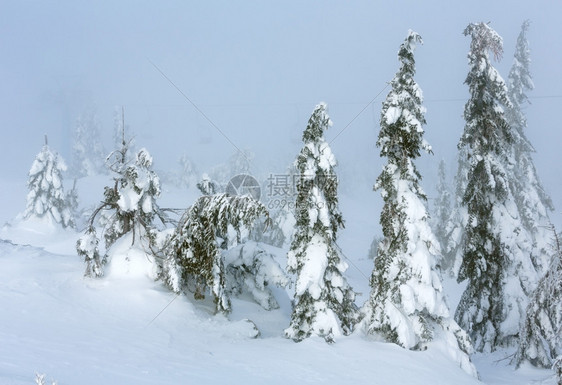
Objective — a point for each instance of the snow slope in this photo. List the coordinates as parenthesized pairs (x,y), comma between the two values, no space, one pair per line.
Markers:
(103,331)
(131,330)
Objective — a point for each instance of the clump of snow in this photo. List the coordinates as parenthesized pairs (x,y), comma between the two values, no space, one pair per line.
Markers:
(253,268)
(131,260)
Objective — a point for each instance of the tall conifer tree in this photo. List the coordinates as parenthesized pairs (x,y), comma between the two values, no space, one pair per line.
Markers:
(494,245)
(532,201)
(324,301)
(406,305)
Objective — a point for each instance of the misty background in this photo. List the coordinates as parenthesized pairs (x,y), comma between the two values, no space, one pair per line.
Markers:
(257,69)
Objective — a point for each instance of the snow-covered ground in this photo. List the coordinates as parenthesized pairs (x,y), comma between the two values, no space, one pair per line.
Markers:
(129,329)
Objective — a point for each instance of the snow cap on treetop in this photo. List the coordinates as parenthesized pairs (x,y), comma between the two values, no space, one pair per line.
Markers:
(484,39)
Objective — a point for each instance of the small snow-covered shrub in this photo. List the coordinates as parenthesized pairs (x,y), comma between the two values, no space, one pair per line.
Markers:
(87,248)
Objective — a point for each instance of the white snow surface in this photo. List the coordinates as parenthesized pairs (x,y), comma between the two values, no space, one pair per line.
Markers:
(129,329)
(128,261)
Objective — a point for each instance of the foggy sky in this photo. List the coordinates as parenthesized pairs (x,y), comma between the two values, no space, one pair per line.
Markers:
(257,69)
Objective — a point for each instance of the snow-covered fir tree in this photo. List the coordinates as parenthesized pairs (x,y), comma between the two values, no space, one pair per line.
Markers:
(374,248)
(208,186)
(441,213)
(40,380)
(324,301)
(241,162)
(129,206)
(46,197)
(87,247)
(122,131)
(540,337)
(73,204)
(194,255)
(494,246)
(185,176)
(532,201)
(87,151)
(188,173)
(557,367)
(134,199)
(457,221)
(406,304)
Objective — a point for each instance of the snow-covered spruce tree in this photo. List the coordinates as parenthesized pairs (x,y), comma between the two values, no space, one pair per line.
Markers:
(194,259)
(458,218)
(87,248)
(207,186)
(134,200)
(46,197)
(88,152)
(374,248)
(496,260)
(122,131)
(442,211)
(540,337)
(40,380)
(324,301)
(557,367)
(188,173)
(72,203)
(407,305)
(129,206)
(532,201)
(241,162)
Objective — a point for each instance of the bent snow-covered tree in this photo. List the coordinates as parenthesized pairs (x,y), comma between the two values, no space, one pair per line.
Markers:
(496,258)
(194,256)
(532,201)
(540,337)
(129,206)
(407,305)
(324,301)
(46,197)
